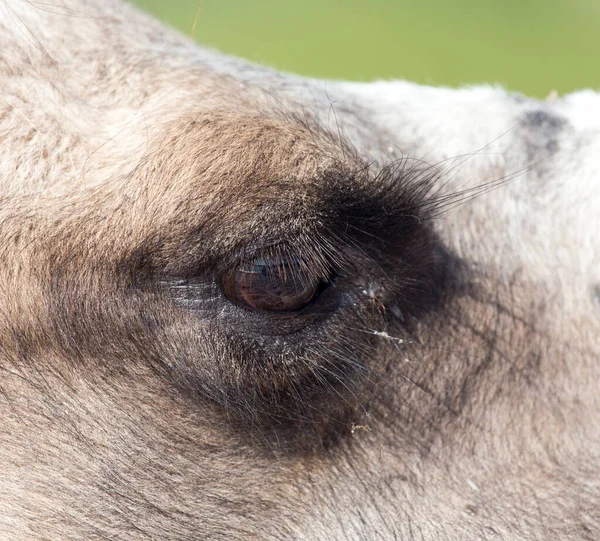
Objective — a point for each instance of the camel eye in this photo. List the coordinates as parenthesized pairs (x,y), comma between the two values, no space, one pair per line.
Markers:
(272,284)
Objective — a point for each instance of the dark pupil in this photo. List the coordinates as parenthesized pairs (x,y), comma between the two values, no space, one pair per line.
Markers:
(272,284)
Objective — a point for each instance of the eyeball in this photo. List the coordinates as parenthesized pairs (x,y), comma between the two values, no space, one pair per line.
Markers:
(272,284)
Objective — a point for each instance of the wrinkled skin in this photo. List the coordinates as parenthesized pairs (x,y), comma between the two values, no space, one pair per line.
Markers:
(442,383)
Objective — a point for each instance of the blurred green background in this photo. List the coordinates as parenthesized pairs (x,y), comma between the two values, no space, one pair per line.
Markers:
(532,46)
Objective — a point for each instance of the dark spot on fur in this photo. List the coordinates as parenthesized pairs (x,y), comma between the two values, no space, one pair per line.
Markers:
(471,510)
(541,132)
(596,295)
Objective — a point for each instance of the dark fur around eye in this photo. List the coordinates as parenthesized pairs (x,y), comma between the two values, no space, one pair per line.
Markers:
(272,324)
(269,310)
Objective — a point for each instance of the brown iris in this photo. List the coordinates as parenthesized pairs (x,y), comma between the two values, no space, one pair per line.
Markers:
(273,284)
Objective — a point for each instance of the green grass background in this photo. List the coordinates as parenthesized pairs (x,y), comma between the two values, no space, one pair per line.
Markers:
(532,46)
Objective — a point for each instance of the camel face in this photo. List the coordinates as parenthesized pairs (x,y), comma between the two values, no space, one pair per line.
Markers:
(239,304)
